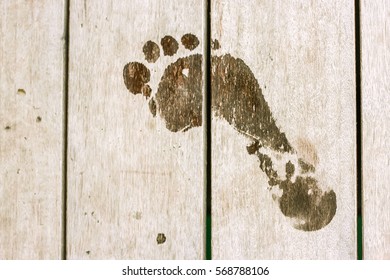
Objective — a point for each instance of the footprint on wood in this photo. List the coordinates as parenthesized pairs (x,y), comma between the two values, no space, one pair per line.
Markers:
(238,99)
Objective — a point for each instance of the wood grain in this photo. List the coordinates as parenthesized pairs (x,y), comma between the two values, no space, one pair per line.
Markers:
(31,130)
(375,86)
(135,187)
(299,56)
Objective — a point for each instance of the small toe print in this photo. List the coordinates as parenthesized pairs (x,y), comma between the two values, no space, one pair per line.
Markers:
(151,51)
(135,76)
(190,41)
(169,45)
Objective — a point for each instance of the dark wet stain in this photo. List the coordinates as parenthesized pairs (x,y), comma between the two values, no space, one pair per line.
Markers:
(169,45)
(253,148)
(190,41)
(146,91)
(151,51)
(266,166)
(7,127)
(215,44)
(238,99)
(152,107)
(306,167)
(21,91)
(179,94)
(310,207)
(161,238)
(290,169)
(302,200)
(39,119)
(135,76)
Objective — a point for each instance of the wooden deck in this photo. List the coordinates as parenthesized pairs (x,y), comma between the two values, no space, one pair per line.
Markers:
(125,125)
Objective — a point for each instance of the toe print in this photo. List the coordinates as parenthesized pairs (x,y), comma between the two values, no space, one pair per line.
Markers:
(170,45)
(238,99)
(190,41)
(135,75)
(151,51)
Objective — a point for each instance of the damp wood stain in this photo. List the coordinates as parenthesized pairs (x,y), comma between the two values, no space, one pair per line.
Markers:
(138,215)
(307,151)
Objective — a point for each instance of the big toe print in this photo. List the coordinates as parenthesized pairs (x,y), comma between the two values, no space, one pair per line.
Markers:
(238,99)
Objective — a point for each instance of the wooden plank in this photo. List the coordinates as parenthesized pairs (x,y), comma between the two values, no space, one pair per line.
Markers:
(31,132)
(375,85)
(283,130)
(135,185)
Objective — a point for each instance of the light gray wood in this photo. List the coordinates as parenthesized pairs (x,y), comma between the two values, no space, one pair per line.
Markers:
(375,86)
(31,130)
(132,182)
(302,55)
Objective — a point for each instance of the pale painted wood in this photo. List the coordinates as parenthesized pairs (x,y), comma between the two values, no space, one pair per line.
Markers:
(302,55)
(31,134)
(375,71)
(130,179)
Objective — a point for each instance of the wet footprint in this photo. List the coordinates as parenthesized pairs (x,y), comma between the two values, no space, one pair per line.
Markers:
(238,99)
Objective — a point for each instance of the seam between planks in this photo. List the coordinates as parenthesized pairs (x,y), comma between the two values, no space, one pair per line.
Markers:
(207,121)
(207,128)
(65,130)
(359,174)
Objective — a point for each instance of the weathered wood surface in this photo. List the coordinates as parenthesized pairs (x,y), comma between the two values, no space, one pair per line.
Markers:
(375,86)
(31,117)
(135,186)
(299,57)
